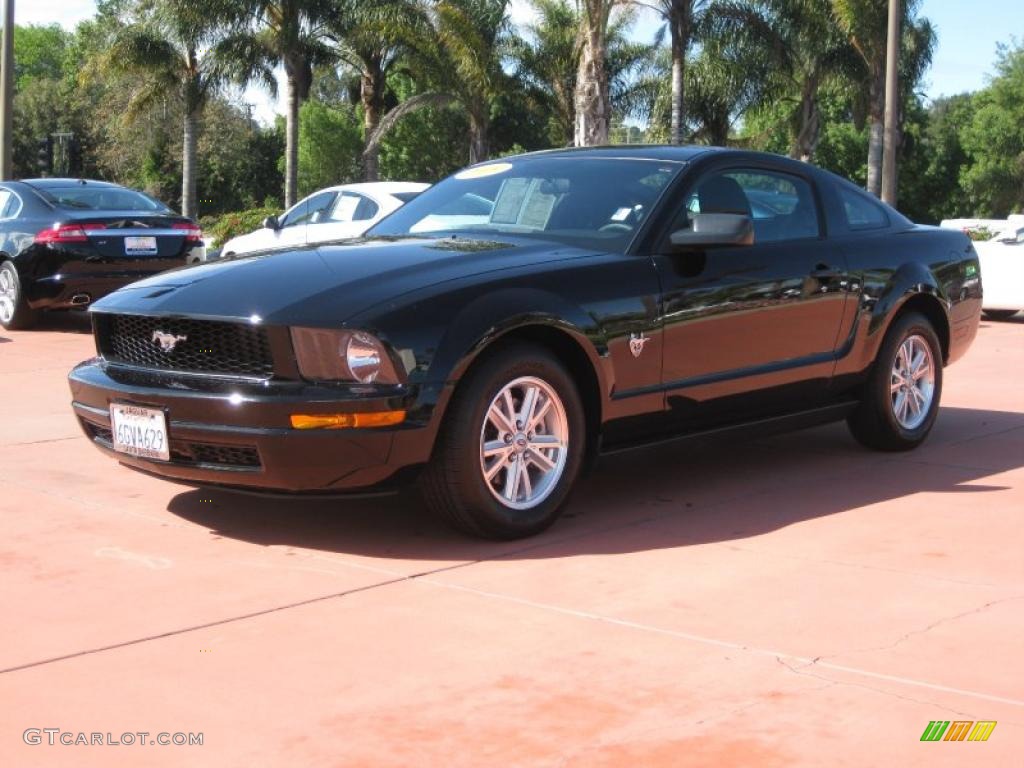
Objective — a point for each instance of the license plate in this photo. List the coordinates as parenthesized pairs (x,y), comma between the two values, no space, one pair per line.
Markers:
(139,431)
(140,246)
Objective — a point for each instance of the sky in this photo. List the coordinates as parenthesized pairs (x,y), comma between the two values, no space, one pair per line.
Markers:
(968,35)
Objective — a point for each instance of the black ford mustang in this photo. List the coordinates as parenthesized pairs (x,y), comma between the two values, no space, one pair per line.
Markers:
(67,242)
(491,337)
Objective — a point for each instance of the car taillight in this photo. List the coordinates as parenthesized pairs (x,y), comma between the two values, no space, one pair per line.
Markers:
(193,234)
(67,233)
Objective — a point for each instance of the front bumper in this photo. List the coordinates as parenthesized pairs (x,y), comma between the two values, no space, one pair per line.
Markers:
(238,434)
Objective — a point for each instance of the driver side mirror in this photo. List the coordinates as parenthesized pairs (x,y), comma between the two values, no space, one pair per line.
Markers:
(271,222)
(708,230)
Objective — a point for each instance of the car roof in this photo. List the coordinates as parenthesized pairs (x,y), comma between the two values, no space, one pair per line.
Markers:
(672,152)
(60,183)
(377,187)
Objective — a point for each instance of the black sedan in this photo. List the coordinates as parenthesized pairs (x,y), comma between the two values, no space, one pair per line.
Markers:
(66,242)
(493,336)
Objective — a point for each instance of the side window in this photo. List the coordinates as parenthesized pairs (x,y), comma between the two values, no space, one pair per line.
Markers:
(353,207)
(320,207)
(309,211)
(6,203)
(366,209)
(782,206)
(862,212)
(345,208)
(297,215)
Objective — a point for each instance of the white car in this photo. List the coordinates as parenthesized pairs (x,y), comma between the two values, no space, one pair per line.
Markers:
(1002,263)
(334,213)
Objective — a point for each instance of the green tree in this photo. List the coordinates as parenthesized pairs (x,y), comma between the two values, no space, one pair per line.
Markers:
(865,23)
(805,50)
(371,38)
(547,60)
(994,140)
(330,146)
(168,52)
(263,34)
(684,18)
(40,53)
(459,59)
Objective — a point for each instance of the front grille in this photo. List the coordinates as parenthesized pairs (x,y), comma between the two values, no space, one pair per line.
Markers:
(185,452)
(202,346)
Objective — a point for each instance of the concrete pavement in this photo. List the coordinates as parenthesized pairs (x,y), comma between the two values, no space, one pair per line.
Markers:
(795,601)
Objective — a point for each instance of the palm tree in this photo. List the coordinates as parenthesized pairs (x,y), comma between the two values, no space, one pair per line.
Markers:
(167,52)
(593,108)
(683,18)
(800,40)
(548,60)
(459,56)
(371,38)
(865,22)
(262,34)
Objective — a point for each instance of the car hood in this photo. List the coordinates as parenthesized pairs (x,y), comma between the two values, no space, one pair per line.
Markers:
(336,281)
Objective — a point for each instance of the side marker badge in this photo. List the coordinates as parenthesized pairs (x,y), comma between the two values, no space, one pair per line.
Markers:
(636,343)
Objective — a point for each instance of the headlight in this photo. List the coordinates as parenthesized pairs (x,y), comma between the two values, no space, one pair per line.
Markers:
(328,355)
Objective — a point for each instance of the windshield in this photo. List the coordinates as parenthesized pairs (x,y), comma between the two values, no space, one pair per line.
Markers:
(584,201)
(102,199)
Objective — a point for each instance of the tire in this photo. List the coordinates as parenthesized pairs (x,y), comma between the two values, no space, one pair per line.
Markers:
(891,417)
(15,314)
(454,485)
(999,314)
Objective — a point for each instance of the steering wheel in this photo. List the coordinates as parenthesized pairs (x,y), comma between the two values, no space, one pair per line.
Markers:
(616,227)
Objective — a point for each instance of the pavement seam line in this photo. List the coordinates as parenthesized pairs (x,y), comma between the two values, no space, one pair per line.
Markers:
(777,655)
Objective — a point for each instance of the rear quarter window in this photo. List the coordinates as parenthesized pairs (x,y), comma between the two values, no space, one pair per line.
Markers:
(862,212)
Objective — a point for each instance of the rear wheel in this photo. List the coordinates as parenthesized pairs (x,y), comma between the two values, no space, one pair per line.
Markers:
(510,448)
(901,397)
(999,314)
(15,314)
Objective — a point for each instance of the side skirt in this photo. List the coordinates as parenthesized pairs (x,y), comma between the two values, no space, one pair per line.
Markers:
(774,425)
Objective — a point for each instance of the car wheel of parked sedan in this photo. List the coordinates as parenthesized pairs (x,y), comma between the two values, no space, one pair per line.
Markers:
(901,397)
(511,446)
(999,314)
(15,313)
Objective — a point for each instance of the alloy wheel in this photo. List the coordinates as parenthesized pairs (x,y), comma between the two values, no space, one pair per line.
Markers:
(912,383)
(524,443)
(8,295)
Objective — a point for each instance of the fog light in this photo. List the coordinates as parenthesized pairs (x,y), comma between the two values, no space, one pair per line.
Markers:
(346,420)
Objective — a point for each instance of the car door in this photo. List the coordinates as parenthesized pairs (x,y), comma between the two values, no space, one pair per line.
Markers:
(349,216)
(751,328)
(293,225)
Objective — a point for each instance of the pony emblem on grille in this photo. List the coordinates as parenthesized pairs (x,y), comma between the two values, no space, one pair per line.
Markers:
(167,341)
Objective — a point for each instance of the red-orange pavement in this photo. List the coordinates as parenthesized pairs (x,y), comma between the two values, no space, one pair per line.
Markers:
(794,601)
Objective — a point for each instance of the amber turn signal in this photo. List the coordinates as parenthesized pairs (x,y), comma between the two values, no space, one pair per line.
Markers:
(346,420)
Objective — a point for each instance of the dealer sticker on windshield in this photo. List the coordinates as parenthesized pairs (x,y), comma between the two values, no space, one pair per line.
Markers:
(483,171)
(139,431)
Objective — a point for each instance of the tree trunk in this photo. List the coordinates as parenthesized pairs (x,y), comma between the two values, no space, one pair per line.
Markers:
(479,148)
(809,135)
(680,33)
(291,144)
(876,141)
(592,118)
(371,93)
(188,166)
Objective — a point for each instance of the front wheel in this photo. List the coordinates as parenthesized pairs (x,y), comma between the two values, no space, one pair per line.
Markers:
(511,446)
(901,396)
(15,314)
